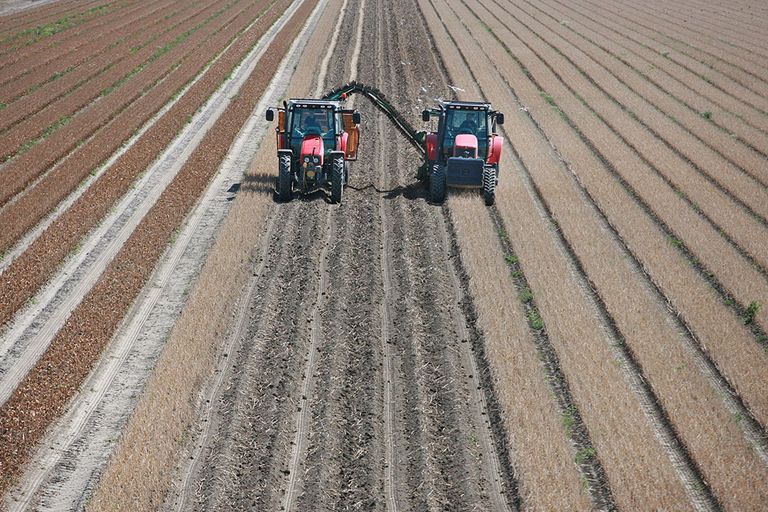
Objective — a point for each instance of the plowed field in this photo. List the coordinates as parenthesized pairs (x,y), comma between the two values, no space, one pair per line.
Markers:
(175,338)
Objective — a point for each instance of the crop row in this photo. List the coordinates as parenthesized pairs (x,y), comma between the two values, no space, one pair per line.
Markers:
(24,417)
(722,107)
(28,272)
(720,76)
(745,66)
(39,126)
(88,152)
(58,86)
(668,168)
(38,73)
(45,39)
(15,23)
(591,248)
(624,59)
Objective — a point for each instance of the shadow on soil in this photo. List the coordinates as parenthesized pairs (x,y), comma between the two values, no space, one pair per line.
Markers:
(264,183)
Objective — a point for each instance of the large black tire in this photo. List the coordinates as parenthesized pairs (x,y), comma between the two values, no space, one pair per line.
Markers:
(489,185)
(437,184)
(284,178)
(337,179)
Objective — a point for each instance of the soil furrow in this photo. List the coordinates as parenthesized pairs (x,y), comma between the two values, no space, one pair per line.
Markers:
(165,69)
(89,328)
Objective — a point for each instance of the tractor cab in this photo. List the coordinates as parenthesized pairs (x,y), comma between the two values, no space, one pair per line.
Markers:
(465,150)
(315,139)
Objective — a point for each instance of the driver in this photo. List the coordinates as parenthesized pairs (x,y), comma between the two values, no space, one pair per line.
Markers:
(311,124)
(468,125)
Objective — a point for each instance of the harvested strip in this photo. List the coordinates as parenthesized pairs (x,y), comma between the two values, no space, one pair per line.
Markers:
(110,38)
(33,127)
(25,416)
(27,167)
(671,370)
(53,90)
(672,97)
(707,245)
(727,340)
(539,448)
(28,272)
(614,418)
(748,232)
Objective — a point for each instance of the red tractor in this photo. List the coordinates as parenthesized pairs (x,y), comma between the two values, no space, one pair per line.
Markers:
(465,151)
(315,140)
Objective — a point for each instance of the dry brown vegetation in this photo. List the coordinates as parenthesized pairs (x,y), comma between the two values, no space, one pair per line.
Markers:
(615,298)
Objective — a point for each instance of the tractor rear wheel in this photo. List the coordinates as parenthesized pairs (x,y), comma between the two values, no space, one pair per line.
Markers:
(284,179)
(489,185)
(337,179)
(437,184)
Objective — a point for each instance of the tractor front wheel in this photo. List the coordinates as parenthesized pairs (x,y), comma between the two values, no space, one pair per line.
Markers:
(489,185)
(437,183)
(284,179)
(337,179)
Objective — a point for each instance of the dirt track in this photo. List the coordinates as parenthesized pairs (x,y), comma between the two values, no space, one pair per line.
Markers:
(349,295)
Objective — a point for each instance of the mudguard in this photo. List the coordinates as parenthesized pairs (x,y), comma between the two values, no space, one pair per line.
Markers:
(494,150)
(431,143)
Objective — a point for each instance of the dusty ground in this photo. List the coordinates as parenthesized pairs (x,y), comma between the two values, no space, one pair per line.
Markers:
(364,363)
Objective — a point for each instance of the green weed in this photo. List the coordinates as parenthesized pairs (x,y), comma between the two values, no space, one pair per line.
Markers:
(584,455)
(751,311)
(706,114)
(535,320)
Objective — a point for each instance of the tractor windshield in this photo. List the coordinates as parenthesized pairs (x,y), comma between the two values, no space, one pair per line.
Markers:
(313,121)
(473,122)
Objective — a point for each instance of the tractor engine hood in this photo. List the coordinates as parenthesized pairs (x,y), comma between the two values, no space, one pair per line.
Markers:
(312,148)
(465,146)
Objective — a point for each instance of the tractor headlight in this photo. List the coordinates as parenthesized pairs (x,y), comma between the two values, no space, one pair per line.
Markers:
(316,159)
(306,159)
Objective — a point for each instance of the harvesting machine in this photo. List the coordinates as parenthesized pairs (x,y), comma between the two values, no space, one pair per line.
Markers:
(316,139)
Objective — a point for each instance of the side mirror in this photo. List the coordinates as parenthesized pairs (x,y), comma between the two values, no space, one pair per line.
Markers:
(270,115)
(425,116)
(499,118)
(356,117)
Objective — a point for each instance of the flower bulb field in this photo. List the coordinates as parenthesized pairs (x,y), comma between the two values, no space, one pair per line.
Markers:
(175,335)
